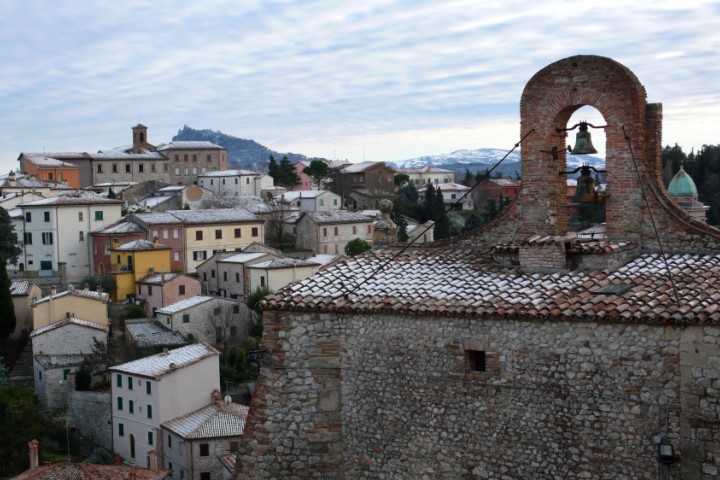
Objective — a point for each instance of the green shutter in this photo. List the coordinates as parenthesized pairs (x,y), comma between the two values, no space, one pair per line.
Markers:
(119,403)
(121,429)
(131,406)
(149,411)
(186,318)
(118,380)
(148,388)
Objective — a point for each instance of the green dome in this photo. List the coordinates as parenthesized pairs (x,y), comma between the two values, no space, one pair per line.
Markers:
(682,185)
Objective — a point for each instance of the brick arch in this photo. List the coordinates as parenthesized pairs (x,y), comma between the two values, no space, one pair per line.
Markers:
(549,99)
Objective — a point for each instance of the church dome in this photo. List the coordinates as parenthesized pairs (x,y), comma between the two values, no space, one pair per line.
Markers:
(682,185)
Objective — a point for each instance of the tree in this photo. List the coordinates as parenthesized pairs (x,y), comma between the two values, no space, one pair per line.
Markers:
(278,214)
(111,193)
(100,359)
(468,179)
(318,171)
(401,179)
(9,253)
(288,177)
(442,223)
(273,169)
(357,245)
(428,210)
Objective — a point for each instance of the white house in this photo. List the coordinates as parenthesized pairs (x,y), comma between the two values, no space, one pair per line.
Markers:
(158,388)
(452,193)
(235,183)
(56,230)
(428,174)
(312,200)
(194,443)
(329,232)
(275,274)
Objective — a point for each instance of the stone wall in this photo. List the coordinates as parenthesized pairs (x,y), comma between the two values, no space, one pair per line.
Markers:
(91,414)
(396,397)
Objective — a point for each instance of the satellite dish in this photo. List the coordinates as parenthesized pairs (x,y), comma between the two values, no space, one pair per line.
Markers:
(228,399)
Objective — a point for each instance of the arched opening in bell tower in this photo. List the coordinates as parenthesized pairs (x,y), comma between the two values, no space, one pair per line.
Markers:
(586,212)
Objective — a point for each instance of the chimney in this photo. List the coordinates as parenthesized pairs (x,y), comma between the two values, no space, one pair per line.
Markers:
(153,459)
(98,288)
(115,243)
(33,452)
(53,291)
(117,459)
(155,241)
(86,287)
(12,179)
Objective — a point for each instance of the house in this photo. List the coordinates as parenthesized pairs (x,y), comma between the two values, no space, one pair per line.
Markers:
(84,471)
(158,388)
(193,443)
(11,200)
(52,375)
(275,274)
(55,232)
(87,304)
(135,260)
(452,195)
(306,183)
(329,232)
(169,229)
(102,239)
(427,174)
(312,200)
(519,350)
(17,182)
(226,274)
(420,232)
(503,189)
(146,333)
(159,289)
(50,168)
(68,336)
(177,162)
(212,320)
(235,183)
(365,184)
(24,293)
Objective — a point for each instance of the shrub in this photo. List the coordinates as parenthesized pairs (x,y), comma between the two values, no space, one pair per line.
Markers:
(357,245)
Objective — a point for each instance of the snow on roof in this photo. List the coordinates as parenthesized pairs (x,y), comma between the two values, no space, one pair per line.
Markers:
(27,181)
(42,160)
(140,244)
(20,287)
(150,333)
(81,197)
(149,202)
(446,187)
(184,304)
(173,188)
(159,278)
(119,227)
(163,363)
(299,194)
(338,216)
(457,282)
(94,294)
(284,263)
(221,215)
(230,173)
(68,321)
(213,421)
(324,259)
(125,153)
(260,208)
(243,257)
(157,218)
(360,167)
(505,182)
(60,361)
(189,145)
(425,169)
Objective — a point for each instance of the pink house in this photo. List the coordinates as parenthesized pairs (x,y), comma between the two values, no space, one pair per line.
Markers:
(160,289)
(306,182)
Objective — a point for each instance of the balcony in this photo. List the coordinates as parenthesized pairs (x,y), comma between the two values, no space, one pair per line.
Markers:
(118,267)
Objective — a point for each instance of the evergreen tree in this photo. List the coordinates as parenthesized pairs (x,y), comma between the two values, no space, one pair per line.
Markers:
(318,171)
(468,179)
(442,222)
(402,229)
(274,170)
(288,177)
(9,252)
(428,210)
(401,179)
(111,193)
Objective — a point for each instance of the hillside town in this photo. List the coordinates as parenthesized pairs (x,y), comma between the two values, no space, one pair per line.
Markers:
(185,319)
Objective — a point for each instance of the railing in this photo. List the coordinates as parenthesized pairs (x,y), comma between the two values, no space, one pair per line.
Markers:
(118,267)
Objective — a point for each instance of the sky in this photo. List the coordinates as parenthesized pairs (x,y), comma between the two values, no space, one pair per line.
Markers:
(362,80)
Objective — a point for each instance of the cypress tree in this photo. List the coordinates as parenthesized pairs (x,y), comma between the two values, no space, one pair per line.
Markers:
(9,252)
(442,223)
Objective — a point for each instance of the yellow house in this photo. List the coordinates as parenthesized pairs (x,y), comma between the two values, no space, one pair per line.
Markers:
(85,304)
(135,260)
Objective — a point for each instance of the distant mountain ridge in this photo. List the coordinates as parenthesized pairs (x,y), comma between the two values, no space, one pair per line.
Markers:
(249,154)
(242,153)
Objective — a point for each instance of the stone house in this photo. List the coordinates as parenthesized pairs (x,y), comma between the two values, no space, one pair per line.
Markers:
(194,442)
(56,230)
(149,333)
(24,293)
(71,335)
(159,289)
(155,389)
(275,274)
(87,304)
(235,183)
(520,350)
(226,274)
(329,232)
(53,377)
(312,200)
(212,320)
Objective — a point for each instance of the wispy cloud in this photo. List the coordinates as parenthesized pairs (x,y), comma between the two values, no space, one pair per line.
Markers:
(377,79)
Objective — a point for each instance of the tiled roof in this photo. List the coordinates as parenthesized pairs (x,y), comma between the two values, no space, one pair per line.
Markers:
(152,334)
(80,292)
(425,169)
(284,263)
(82,197)
(281,208)
(189,145)
(159,278)
(184,304)
(60,361)
(20,287)
(157,218)
(89,471)
(26,181)
(119,228)
(68,321)
(467,283)
(230,173)
(213,421)
(140,244)
(323,259)
(125,153)
(338,216)
(361,167)
(156,366)
(149,202)
(42,160)
(222,215)
(448,187)
(298,194)
(243,257)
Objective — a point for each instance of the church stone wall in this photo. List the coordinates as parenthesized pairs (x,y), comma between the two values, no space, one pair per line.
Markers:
(378,396)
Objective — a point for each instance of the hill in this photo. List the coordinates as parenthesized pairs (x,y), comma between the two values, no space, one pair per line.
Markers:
(242,153)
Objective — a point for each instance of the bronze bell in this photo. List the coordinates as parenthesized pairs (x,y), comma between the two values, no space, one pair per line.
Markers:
(585,190)
(583,142)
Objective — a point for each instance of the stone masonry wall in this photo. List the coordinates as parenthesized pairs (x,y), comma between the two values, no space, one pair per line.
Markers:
(91,414)
(394,397)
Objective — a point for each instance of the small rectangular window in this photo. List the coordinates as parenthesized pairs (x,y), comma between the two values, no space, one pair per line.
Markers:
(218,234)
(169,441)
(127,168)
(121,430)
(262,280)
(141,168)
(237,277)
(131,406)
(324,232)
(204,450)
(236,308)
(118,380)
(47,238)
(28,217)
(28,238)
(186,318)
(176,256)
(98,215)
(80,216)
(238,233)
(336,231)
(148,409)
(150,438)
(152,167)
(199,235)
(148,387)
(475,360)
(181,289)
(114,168)
(82,236)
(99,168)
(354,229)
(204,475)
(212,273)
(129,383)
(255,231)
(46,215)
(66,372)
(322,202)
(119,403)
(224,276)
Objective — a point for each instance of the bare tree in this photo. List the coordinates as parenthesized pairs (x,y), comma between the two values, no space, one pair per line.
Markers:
(230,323)
(278,214)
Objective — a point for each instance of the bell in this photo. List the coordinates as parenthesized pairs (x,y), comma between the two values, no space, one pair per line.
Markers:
(585,190)
(583,143)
